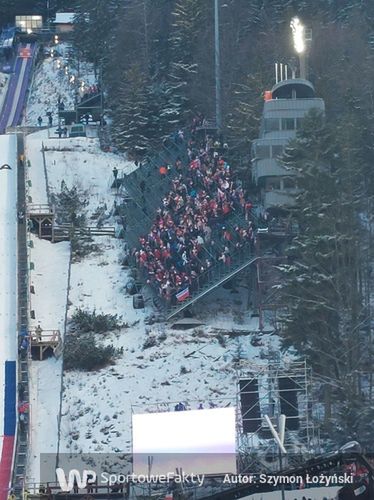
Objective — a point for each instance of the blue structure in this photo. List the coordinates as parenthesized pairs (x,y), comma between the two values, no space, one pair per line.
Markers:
(10,399)
(7,37)
(7,49)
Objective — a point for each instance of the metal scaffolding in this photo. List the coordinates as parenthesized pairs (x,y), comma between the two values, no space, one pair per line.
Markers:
(257,449)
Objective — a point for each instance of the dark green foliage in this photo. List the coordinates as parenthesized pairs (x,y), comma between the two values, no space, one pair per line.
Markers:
(244,118)
(130,113)
(328,272)
(86,321)
(149,342)
(163,111)
(83,352)
(94,23)
(82,247)
(354,420)
(70,204)
(183,39)
(145,112)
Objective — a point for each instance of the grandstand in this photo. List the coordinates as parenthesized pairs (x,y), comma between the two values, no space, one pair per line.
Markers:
(149,188)
(188,193)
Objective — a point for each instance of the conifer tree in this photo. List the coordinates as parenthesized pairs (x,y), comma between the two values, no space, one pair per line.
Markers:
(129,113)
(322,281)
(183,38)
(95,21)
(163,112)
(243,122)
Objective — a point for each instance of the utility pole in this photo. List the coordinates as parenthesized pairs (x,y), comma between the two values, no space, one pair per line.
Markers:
(217,54)
(146,48)
(279,439)
(302,38)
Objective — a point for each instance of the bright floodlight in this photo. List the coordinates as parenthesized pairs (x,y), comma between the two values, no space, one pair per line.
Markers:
(298,35)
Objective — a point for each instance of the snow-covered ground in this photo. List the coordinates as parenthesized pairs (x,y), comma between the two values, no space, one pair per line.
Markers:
(52,262)
(50,280)
(37,188)
(80,162)
(58,75)
(48,84)
(4,79)
(195,365)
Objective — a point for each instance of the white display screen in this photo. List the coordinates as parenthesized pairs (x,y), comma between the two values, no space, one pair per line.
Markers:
(199,441)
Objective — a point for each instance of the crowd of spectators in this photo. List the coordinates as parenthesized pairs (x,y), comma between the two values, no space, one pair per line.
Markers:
(193,229)
(88,91)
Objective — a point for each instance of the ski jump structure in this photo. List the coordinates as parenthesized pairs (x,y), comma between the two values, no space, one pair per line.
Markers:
(10,116)
(11,113)
(8,308)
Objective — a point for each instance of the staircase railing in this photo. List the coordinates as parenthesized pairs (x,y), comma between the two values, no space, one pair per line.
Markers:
(146,200)
(210,280)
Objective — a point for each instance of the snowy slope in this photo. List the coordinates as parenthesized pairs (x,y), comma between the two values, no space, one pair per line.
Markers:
(153,375)
(50,281)
(191,366)
(33,145)
(61,76)
(4,80)
(48,83)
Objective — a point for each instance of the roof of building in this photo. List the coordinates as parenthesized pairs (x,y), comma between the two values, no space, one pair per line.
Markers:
(303,89)
(64,18)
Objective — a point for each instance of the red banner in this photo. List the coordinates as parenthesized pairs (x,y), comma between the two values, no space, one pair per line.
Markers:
(25,52)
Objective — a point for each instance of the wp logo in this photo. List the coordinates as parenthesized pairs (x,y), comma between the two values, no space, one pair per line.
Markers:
(75,479)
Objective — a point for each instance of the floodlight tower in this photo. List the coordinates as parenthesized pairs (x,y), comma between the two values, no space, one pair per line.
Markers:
(217,57)
(301,39)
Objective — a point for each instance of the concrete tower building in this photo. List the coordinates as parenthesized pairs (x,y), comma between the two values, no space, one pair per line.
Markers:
(284,109)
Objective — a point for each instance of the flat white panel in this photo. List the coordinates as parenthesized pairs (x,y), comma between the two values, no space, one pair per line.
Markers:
(198,441)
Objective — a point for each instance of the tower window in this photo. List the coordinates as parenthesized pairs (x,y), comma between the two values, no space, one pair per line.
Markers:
(288,124)
(271,124)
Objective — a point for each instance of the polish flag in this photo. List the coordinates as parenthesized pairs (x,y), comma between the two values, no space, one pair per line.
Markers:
(183,295)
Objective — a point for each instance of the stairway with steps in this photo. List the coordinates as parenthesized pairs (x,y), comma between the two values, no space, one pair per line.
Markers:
(137,207)
(155,186)
(20,457)
(139,214)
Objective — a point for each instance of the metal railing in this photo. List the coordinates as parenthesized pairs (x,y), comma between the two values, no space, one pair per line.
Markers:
(210,280)
(213,277)
(146,188)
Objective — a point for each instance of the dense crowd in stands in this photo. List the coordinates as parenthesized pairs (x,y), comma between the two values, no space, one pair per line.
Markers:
(189,234)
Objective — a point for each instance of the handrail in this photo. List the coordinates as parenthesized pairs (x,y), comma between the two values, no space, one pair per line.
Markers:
(149,173)
(208,288)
